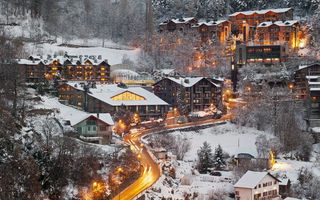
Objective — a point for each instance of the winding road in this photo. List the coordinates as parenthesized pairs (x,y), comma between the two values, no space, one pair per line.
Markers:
(151,168)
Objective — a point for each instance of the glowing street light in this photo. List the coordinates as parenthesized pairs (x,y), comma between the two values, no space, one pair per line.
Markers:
(249,89)
(291,86)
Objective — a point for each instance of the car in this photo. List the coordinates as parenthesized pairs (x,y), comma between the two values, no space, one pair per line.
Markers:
(215,174)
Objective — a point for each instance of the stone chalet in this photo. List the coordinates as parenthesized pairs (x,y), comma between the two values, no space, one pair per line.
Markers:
(108,98)
(257,186)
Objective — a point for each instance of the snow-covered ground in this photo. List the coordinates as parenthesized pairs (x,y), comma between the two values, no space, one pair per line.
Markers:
(112,52)
(231,138)
(61,113)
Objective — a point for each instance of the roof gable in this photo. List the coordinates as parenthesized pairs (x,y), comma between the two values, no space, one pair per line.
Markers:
(103,117)
(127,96)
(251,179)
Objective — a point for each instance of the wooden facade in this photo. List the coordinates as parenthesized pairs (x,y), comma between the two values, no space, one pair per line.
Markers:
(307,85)
(214,29)
(181,24)
(199,94)
(93,126)
(265,27)
(80,97)
(274,32)
(39,71)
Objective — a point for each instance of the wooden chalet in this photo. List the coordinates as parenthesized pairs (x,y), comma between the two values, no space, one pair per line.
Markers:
(200,92)
(220,30)
(39,70)
(246,22)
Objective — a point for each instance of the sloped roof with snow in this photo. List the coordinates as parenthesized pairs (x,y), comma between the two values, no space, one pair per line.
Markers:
(261,12)
(106,92)
(189,81)
(210,23)
(124,72)
(179,21)
(74,60)
(251,179)
(104,117)
(278,23)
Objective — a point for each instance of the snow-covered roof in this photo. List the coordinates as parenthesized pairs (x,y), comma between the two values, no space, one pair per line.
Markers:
(62,59)
(284,182)
(278,23)
(28,62)
(124,72)
(251,179)
(179,21)
(107,91)
(291,198)
(314,89)
(105,117)
(210,23)
(189,81)
(166,71)
(261,12)
(312,77)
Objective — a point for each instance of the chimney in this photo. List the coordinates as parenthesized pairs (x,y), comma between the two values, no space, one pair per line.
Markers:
(98,115)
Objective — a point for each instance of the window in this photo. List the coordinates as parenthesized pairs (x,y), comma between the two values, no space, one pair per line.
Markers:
(79,96)
(91,122)
(89,128)
(103,128)
(259,185)
(265,194)
(237,192)
(275,182)
(79,130)
(79,104)
(94,128)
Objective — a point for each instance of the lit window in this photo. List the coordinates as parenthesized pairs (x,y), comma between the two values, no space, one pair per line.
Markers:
(79,103)
(102,68)
(79,96)
(102,74)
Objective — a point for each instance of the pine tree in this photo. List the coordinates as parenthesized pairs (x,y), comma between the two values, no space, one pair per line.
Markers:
(205,158)
(219,162)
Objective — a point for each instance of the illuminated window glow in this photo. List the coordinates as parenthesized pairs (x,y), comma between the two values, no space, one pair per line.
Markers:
(127,96)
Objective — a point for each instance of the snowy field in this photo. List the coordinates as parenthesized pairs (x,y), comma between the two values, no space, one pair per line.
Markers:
(233,139)
(112,52)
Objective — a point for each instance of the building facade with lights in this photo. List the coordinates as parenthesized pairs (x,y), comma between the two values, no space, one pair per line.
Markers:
(260,54)
(307,85)
(103,98)
(39,70)
(200,92)
(246,23)
(219,30)
(257,186)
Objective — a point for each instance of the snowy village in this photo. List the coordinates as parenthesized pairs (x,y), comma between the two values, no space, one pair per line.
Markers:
(159,100)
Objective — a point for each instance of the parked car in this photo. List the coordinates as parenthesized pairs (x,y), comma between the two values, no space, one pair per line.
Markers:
(215,174)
